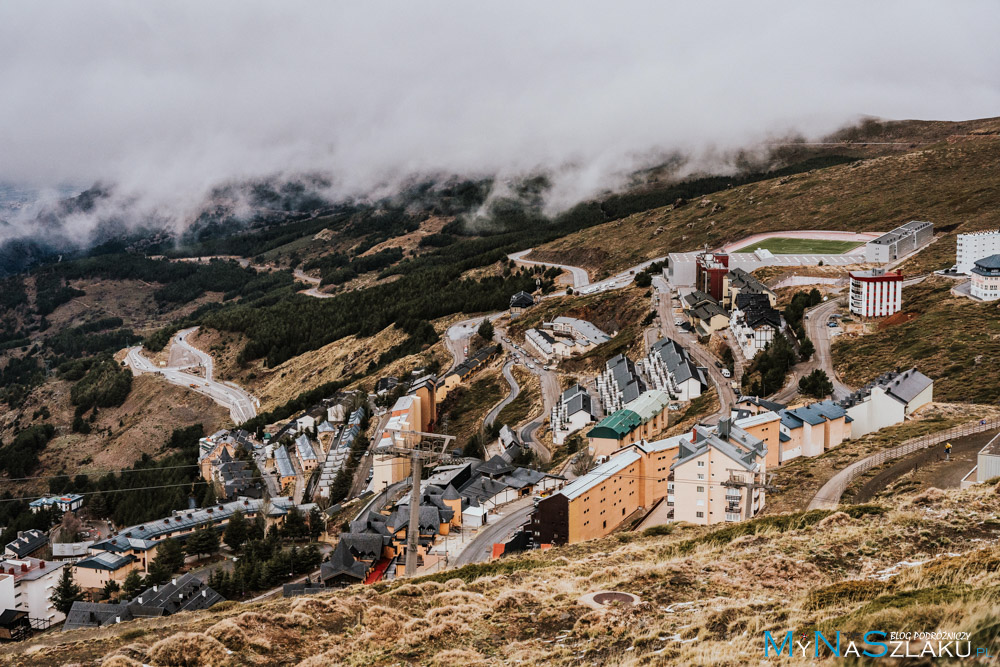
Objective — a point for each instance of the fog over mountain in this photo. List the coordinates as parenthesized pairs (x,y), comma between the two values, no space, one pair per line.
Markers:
(165,101)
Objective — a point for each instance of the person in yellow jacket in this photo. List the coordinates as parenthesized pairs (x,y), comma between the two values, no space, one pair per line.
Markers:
(947,451)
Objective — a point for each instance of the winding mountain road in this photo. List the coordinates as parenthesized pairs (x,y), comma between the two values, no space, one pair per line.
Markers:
(580,276)
(515,389)
(503,527)
(242,405)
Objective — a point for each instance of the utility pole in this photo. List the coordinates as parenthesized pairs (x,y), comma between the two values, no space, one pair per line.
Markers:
(419,447)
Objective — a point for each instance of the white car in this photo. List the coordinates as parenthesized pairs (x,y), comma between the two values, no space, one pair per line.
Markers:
(531,366)
(726,373)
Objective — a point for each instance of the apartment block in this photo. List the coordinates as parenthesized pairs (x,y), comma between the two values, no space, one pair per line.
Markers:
(718,475)
(900,242)
(593,505)
(26,585)
(670,369)
(875,293)
(986,278)
(642,419)
(975,246)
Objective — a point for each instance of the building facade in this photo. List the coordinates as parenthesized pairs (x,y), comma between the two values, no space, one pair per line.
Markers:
(876,293)
(977,245)
(27,584)
(719,475)
(642,419)
(900,242)
(986,278)
(711,269)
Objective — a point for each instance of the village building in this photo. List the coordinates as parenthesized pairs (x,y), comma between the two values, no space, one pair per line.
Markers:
(809,430)
(283,466)
(26,586)
(619,383)
(69,502)
(975,246)
(635,478)
(900,242)
(306,453)
(572,412)
(519,303)
(670,369)
(739,282)
(464,371)
(28,543)
(875,293)
(704,313)
(887,400)
(641,419)
(711,269)
(754,323)
(184,593)
(986,278)
(719,475)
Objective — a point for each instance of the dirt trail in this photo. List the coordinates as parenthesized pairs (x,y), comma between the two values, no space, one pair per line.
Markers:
(928,467)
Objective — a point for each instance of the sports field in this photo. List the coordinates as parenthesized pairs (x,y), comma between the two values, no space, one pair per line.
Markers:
(789,246)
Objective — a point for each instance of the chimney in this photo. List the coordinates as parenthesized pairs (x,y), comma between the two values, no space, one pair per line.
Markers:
(204,594)
(140,599)
(694,435)
(173,581)
(41,564)
(724,429)
(118,619)
(156,588)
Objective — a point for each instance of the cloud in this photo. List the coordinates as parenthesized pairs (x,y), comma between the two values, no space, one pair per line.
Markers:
(168,100)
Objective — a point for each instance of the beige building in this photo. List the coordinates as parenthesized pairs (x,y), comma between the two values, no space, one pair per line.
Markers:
(719,475)
(642,419)
(808,430)
(635,478)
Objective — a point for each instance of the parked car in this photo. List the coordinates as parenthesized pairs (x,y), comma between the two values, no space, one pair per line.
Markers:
(726,373)
(831,324)
(718,364)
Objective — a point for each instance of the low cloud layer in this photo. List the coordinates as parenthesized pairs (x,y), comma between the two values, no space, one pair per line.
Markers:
(167,100)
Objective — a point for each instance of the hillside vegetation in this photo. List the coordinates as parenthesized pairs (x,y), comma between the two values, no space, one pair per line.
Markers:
(954,340)
(951,183)
(706,597)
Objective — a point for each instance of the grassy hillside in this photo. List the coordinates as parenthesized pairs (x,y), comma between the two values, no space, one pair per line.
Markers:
(706,597)
(952,183)
(951,339)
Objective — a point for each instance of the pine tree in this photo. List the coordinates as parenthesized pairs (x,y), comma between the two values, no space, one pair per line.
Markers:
(208,499)
(236,531)
(132,585)
(66,592)
(316,523)
(202,541)
(170,555)
(111,588)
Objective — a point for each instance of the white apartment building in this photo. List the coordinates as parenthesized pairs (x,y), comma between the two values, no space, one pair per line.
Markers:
(986,278)
(572,412)
(976,245)
(876,293)
(26,584)
(900,242)
(670,369)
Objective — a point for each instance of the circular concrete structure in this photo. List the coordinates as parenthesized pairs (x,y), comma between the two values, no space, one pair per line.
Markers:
(605,599)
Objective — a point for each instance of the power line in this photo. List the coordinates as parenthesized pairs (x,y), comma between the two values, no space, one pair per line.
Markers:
(94,493)
(101,472)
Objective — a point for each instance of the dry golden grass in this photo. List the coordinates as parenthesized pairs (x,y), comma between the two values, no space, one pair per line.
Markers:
(707,595)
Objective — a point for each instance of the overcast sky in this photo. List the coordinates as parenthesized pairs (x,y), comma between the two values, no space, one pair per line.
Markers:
(166,99)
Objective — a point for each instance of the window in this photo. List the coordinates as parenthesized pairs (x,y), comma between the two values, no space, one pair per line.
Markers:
(701,489)
(700,515)
(701,475)
(701,464)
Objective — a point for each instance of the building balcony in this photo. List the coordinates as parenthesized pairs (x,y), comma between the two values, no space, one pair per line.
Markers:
(733,517)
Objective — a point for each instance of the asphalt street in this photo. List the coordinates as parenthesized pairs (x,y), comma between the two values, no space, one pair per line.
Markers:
(242,406)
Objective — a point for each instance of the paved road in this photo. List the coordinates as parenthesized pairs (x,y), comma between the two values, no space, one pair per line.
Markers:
(580,276)
(242,406)
(700,355)
(503,527)
(820,334)
(515,389)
